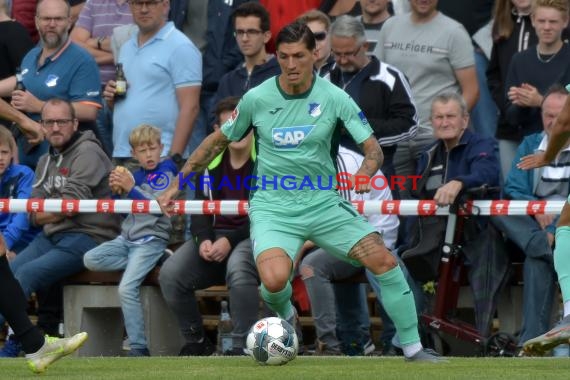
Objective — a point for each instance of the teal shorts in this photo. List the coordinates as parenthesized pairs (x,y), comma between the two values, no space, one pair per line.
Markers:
(329,221)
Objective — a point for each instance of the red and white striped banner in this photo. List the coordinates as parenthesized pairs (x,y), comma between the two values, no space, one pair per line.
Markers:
(404,207)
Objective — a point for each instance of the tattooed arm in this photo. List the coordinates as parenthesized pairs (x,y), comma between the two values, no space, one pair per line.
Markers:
(373,159)
(209,149)
(212,145)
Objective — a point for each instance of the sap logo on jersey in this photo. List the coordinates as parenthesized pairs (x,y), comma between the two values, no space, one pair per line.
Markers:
(290,137)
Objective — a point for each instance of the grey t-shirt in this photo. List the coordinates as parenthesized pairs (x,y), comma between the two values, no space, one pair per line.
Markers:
(428,54)
(372,31)
(196,23)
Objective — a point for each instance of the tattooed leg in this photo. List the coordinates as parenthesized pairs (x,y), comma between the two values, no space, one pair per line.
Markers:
(274,267)
(371,252)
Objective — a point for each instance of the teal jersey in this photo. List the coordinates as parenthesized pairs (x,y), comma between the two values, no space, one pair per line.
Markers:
(296,138)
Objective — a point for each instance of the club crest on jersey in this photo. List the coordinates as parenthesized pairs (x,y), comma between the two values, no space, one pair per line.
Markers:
(314,109)
(233,116)
(363,118)
(290,137)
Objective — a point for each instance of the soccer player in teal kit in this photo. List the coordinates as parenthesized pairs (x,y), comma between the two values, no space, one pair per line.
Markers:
(297,118)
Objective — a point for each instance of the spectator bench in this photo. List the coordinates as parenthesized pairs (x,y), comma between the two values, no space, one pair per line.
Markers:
(91,303)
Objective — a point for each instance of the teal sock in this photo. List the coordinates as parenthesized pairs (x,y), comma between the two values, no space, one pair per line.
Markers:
(398,301)
(562,260)
(279,302)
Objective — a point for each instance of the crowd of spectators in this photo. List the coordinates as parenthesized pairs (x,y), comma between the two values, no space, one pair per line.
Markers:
(417,69)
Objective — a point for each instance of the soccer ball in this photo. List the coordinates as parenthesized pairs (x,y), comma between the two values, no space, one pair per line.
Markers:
(272,341)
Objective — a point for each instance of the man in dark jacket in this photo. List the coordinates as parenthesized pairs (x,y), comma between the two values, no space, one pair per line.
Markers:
(219,253)
(459,159)
(251,24)
(381,90)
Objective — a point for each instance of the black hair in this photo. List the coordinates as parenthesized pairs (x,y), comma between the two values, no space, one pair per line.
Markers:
(296,31)
(224,105)
(253,8)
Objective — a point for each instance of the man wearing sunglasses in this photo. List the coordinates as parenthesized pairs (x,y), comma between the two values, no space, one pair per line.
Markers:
(320,25)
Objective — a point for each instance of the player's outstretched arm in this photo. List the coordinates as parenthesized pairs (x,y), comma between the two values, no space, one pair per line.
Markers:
(373,159)
(558,139)
(212,145)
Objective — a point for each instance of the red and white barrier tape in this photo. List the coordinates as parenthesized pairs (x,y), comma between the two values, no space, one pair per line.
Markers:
(404,207)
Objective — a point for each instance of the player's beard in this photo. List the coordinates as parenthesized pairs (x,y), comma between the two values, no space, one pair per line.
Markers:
(53,40)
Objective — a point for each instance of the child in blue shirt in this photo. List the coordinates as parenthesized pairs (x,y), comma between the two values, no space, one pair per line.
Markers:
(143,237)
(15,183)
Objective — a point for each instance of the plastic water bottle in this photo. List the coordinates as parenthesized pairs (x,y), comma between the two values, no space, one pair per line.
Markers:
(225,328)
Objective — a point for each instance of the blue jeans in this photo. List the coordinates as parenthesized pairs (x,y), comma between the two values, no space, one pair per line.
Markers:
(47,260)
(353,317)
(136,260)
(484,115)
(104,123)
(538,272)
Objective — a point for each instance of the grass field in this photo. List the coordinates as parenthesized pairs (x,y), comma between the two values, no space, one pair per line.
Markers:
(331,368)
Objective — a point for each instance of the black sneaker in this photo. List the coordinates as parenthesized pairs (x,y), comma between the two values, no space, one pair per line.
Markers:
(138,352)
(236,351)
(203,348)
(390,350)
